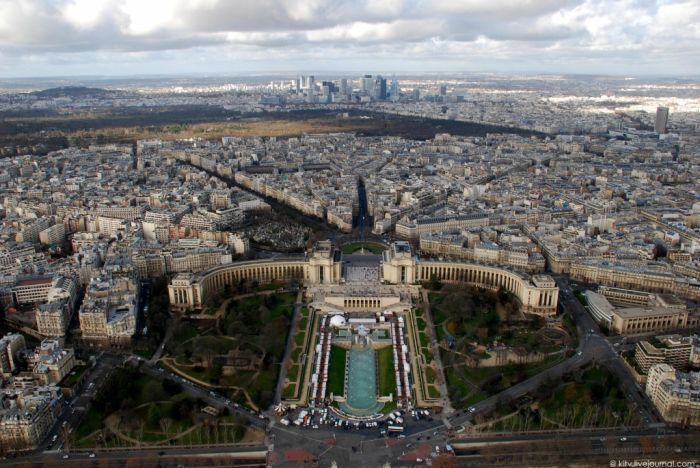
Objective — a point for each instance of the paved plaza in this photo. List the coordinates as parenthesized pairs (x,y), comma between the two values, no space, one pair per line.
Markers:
(362,274)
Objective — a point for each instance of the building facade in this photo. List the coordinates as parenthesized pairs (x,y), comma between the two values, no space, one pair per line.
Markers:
(676,395)
(674,350)
(649,313)
(537,294)
(27,415)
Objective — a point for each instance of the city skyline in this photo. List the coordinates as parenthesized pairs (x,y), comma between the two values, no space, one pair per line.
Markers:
(122,38)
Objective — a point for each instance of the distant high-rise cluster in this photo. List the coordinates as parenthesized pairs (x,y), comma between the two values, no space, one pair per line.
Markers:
(369,88)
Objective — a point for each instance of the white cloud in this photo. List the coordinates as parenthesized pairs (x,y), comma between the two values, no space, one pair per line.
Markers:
(529,34)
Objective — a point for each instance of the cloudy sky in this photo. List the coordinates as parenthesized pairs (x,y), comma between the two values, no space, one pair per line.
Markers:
(129,37)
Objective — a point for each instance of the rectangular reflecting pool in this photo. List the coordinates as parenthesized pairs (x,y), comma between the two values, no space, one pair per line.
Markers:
(361,383)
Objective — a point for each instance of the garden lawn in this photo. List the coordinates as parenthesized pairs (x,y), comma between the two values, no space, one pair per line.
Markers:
(336,371)
(387,373)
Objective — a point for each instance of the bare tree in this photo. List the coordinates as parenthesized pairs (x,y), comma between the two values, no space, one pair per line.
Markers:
(165,424)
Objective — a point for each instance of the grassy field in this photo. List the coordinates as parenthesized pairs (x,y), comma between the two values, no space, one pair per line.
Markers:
(51,130)
(423,338)
(591,399)
(254,326)
(352,247)
(468,385)
(386,372)
(132,405)
(336,371)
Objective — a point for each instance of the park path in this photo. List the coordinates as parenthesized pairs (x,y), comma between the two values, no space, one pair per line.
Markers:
(204,384)
(430,327)
(288,349)
(221,311)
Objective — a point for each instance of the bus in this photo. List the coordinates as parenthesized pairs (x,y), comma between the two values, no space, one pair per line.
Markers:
(395,428)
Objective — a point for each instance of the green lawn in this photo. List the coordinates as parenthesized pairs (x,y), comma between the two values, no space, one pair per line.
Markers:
(138,398)
(303,323)
(386,371)
(259,324)
(423,340)
(144,353)
(355,246)
(336,371)
(293,372)
(218,344)
(427,354)
(74,376)
(433,392)
(91,422)
(290,391)
(489,380)
(430,375)
(388,407)
(593,399)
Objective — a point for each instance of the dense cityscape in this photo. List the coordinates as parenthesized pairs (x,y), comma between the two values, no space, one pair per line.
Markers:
(576,231)
(391,265)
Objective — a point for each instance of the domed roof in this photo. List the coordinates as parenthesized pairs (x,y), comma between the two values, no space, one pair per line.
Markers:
(337,321)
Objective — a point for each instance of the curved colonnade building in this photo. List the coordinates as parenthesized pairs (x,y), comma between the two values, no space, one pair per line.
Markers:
(537,294)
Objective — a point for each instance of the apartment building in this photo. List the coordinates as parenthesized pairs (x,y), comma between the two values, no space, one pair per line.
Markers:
(56,234)
(407,229)
(51,362)
(10,345)
(27,415)
(108,312)
(676,395)
(674,350)
(32,290)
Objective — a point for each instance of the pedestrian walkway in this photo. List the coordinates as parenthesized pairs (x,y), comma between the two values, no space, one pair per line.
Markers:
(362,274)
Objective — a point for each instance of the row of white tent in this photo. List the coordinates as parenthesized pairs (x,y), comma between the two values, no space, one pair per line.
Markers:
(400,351)
(319,379)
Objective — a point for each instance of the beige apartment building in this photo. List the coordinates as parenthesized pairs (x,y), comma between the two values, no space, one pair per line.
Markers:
(26,416)
(451,246)
(52,319)
(51,362)
(674,350)
(650,277)
(108,313)
(10,345)
(676,395)
(407,229)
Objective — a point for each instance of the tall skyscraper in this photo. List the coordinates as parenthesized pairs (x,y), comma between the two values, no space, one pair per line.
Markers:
(366,84)
(661,121)
(394,89)
(344,86)
(443,90)
(380,88)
